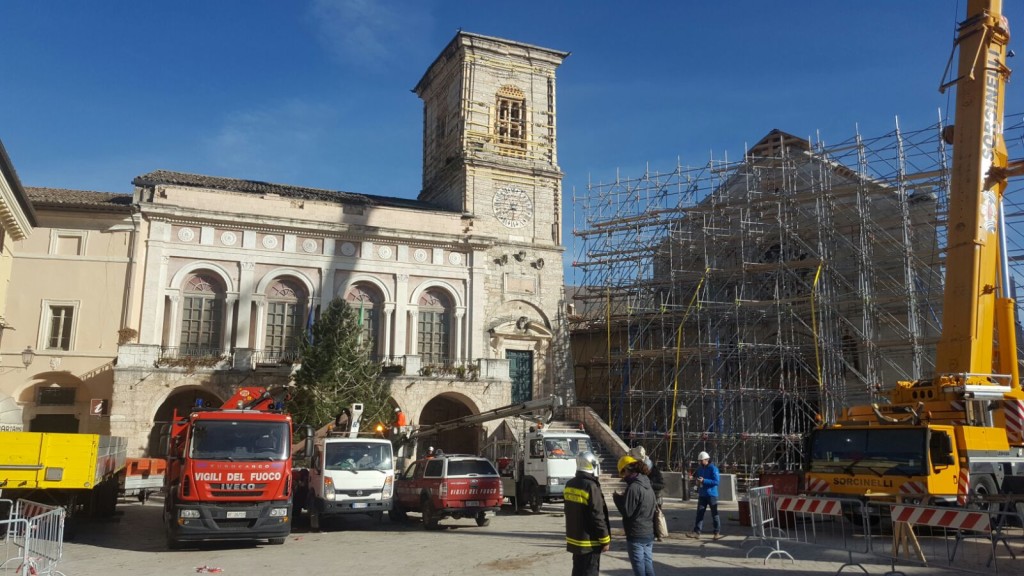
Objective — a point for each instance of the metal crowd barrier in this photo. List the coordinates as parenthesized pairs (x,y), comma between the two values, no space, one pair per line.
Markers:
(764,523)
(960,539)
(9,527)
(832,523)
(33,538)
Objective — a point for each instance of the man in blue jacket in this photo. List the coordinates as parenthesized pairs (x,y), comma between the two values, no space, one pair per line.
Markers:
(706,478)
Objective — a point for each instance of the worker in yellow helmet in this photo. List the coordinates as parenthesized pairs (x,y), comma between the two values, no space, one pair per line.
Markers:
(637,506)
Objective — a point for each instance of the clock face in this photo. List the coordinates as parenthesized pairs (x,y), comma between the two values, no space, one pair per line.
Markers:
(512,207)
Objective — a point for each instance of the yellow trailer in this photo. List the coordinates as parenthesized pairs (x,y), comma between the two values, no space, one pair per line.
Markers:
(77,471)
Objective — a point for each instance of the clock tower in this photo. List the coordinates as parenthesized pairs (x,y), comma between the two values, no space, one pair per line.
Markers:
(490,152)
(489,138)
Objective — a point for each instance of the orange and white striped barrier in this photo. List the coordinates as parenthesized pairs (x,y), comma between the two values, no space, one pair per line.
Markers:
(954,519)
(803,504)
(965,540)
(817,485)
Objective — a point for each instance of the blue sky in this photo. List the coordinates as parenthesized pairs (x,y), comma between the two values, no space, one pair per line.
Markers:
(317,92)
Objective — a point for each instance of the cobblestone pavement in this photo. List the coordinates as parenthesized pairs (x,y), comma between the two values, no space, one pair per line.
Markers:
(523,543)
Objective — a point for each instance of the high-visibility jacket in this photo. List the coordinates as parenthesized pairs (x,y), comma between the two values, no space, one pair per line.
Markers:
(399,419)
(587,526)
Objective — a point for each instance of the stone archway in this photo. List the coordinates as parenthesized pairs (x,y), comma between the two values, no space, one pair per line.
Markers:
(181,400)
(443,408)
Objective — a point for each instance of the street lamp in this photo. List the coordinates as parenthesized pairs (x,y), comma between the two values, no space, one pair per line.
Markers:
(27,356)
(681,413)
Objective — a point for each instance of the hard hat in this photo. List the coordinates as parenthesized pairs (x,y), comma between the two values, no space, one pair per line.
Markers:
(625,461)
(587,462)
(638,452)
(398,409)
(703,456)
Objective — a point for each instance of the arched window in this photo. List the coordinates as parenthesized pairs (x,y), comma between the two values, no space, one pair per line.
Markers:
(434,330)
(286,315)
(202,316)
(366,301)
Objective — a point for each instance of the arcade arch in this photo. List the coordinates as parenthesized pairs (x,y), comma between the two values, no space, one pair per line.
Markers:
(183,400)
(445,407)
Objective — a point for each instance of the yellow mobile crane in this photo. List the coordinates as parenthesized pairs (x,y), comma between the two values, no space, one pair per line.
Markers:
(960,433)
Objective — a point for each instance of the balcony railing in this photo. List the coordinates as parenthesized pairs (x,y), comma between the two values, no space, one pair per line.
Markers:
(408,366)
(191,352)
(193,357)
(285,356)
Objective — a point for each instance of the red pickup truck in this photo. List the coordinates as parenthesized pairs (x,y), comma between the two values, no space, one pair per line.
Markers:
(450,486)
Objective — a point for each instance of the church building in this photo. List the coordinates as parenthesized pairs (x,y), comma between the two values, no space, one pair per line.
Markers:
(460,290)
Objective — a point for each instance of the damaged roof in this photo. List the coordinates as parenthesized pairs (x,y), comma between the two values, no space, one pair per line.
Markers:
(256,187)
(84,199)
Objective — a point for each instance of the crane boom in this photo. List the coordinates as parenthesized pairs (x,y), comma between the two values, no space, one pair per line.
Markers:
(957,435)
(551,403)
(977,326)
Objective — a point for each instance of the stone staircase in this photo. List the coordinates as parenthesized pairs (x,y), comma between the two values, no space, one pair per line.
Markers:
(609,477)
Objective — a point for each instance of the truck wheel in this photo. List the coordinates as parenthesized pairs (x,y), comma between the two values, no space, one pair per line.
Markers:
(429,518)
(397,514)
(482,519)
(982,486)
(276,541)
(536,499)
(169,522)
(172,542)
(314,519)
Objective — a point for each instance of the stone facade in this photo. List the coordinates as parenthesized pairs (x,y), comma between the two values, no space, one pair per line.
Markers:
(479,254)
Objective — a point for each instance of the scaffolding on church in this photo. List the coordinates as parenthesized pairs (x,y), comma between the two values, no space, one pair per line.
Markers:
(728,307)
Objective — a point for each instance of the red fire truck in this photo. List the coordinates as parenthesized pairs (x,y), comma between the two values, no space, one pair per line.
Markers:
(229,471)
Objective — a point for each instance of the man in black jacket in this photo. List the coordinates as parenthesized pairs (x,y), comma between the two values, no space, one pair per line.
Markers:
(587,526)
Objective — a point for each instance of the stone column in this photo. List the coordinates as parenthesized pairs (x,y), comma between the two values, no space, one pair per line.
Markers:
(389,312)
(261,325)
(246,287)
(546,383)
(173,321)
(402,346)
(152,314)
(229,322)
(460,319)
(413,313)
(476,304)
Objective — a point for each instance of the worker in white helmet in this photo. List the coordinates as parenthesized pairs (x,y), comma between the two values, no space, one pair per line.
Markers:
(706,478)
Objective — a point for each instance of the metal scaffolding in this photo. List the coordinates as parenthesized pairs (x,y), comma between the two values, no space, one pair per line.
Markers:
(727,307)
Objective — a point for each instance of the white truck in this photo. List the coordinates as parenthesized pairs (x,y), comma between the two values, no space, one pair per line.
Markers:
(344,473)
(535,467)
